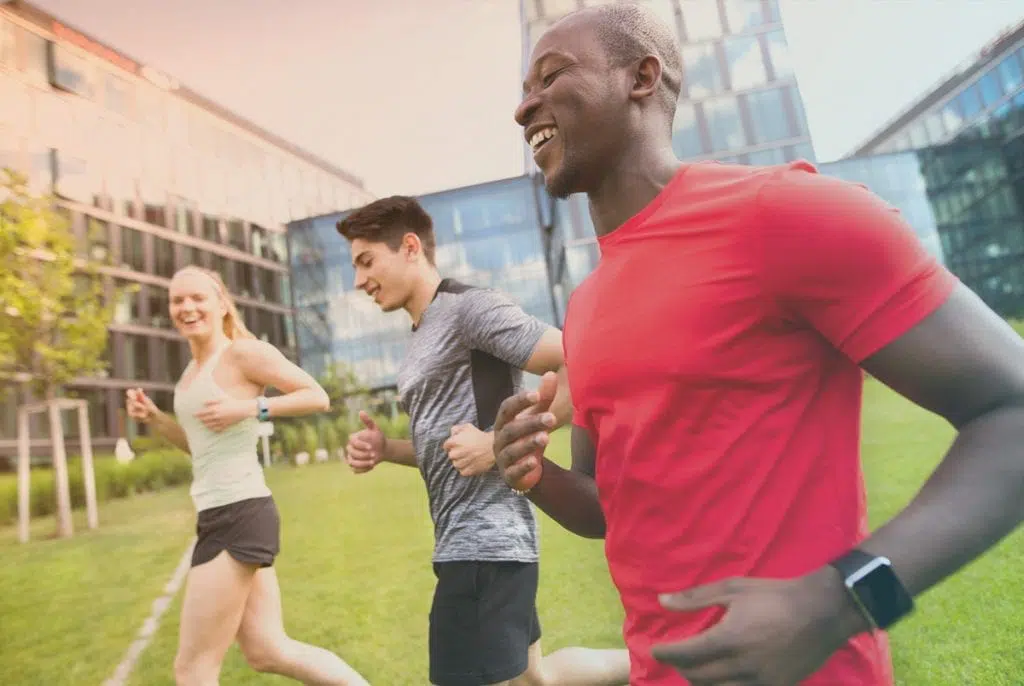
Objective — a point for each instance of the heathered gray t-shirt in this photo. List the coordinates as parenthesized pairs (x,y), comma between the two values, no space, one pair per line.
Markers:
(465,357)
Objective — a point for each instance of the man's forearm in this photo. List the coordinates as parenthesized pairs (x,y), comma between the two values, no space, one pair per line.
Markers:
(973,499)
(561,404)
(398,451)
(570,498)
(167,427)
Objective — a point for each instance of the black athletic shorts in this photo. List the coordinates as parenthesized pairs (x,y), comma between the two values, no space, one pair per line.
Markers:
(250,530)
(482,622)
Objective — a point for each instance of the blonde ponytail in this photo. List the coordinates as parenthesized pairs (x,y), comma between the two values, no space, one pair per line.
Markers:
(234,327)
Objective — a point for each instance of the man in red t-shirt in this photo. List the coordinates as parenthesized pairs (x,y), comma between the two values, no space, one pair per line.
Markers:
(714,358)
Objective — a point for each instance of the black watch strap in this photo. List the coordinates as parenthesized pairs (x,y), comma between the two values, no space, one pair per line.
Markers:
(873,585)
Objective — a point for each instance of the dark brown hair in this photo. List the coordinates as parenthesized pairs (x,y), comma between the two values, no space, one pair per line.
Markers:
(387,220)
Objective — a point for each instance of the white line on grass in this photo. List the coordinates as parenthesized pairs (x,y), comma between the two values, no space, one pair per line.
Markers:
(149,627)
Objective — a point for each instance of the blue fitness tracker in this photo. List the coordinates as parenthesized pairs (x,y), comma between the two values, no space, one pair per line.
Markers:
(263,412)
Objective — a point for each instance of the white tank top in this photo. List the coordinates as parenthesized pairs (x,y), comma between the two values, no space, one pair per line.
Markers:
(225,465)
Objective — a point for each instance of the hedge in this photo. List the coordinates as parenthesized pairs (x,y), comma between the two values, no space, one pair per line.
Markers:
(149,471)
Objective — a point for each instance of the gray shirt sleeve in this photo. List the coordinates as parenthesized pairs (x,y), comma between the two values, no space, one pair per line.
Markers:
(490,321)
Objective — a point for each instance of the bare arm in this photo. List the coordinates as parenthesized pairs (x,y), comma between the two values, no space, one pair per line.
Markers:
(967,365)
(548,356)
(399,451)
(264,365)
(168,427)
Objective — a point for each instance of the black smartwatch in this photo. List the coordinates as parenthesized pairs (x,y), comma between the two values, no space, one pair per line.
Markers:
(872,583)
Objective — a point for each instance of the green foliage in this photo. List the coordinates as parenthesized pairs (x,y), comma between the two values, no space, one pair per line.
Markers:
(53,316)
(151,471)
(308,439)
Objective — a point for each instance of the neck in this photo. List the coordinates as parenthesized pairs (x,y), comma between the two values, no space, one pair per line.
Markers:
(203,349)
(422,295)
(640,174)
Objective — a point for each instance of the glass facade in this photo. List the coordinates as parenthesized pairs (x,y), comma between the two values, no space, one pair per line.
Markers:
(995,88)
(487,235)
(739,100)
(153,177)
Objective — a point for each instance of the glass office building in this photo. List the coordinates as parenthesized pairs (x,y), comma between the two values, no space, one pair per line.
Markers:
(979,93)
(739,99)
(487,235)
(154,177)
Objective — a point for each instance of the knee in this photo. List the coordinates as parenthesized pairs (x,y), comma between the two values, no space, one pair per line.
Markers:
(266,655)
(193,671)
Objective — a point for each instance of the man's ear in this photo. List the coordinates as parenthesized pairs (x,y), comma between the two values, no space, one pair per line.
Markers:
(646,78)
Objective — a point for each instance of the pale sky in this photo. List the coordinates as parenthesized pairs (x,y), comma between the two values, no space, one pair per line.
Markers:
(416,96)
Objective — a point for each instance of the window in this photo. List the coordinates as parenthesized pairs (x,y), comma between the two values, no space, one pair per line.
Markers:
(802,151)
(970,102)
(700,64)
(773,11)
(136,357)
(778,52)
(723,119)
(686,141)
(767,158)
(74,179)
(159,307)
(236,234)
(990,89)
(951,116)
(128,309)
(798,111)
(184,216)
(211,228)
(244,273)
(133,252)
(768,116)
(934,128)
(1010,74)
(746,65)
(701,19)
(743,14)
(163,256)
(98,412)
(72,72)
(97,240)
(178,356)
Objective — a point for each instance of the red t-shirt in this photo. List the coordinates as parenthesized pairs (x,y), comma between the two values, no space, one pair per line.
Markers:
(713,358)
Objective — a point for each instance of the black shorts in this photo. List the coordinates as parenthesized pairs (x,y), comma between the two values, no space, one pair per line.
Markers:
(250,530)
(482,622)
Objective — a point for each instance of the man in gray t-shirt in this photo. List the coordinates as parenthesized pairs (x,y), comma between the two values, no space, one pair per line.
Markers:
(468,351)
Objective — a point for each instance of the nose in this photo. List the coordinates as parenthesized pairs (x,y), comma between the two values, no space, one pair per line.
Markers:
(360,280)
(527,108)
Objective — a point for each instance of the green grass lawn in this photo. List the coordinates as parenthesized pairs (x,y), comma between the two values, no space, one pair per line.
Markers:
(356,578)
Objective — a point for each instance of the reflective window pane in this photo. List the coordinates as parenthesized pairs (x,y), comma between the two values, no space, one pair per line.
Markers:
(934,127)
(802,151)
(766,158)
(686,140)
(724,125)
(951,116)
(1010,73)
(768,116)
(746,65)
(743,14)
(970,102)
(797,104)
(701,19)
(991,89)
(700,64)
(778,52)
(773,11)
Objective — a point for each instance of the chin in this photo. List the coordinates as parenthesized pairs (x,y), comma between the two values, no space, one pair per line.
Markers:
(560,184)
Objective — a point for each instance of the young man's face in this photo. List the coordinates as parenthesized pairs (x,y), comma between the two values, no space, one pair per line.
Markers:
(384,274)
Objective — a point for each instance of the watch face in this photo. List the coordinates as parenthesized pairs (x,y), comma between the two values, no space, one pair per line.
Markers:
(883,595)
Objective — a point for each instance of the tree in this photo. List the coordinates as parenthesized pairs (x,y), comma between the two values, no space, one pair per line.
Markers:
(53,316)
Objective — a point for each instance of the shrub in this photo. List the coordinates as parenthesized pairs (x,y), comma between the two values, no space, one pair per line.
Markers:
(150,471)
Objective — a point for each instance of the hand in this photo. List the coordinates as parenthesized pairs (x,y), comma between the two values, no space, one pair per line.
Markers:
(773,632)
(219,414)
(470,450)
(522,430)
(139,406)
(365,448)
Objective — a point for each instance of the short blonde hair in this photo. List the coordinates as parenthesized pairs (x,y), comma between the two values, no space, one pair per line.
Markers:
(234,327)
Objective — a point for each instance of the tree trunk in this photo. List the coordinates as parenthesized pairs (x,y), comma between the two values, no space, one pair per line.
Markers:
(60,466)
